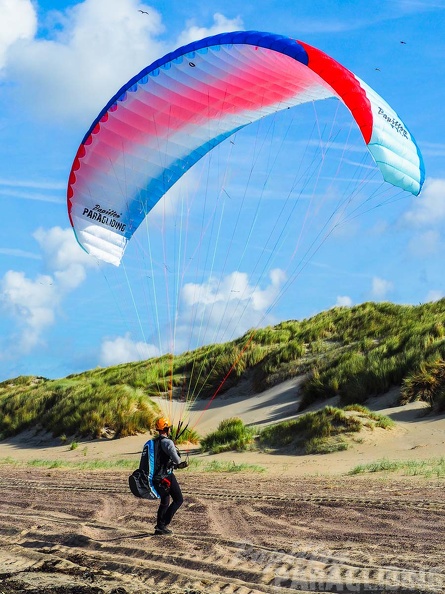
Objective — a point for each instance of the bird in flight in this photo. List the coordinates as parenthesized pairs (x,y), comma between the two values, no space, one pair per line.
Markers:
(404,42)
(144,12)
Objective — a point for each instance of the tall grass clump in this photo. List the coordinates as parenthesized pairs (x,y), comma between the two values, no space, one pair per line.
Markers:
(231,434)
(313,433)
(427,384)
(220,370)
(21,405)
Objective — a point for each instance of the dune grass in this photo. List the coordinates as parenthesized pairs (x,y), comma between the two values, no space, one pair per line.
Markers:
(427,384)
(74,464)
(75,407)
(373,347)
(185,436)
(323,431)
(231,434)
(229,467)
(319,432)
(129,465)
(381,421)
(431,468)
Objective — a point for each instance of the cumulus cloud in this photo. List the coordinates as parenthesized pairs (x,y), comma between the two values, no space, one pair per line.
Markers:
(233,287)
(18,23)
(124,350)
(219,309)
(99,45)
(429,207)
(64,256)
(33,303)
(381,287)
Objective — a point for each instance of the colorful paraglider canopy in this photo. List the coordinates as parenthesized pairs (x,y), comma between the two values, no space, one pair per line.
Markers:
(175,111)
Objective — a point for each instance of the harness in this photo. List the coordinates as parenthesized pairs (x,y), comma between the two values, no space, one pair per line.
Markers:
(151,480)
(157,464)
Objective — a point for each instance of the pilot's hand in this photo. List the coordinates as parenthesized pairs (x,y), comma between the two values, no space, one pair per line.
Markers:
(182,464)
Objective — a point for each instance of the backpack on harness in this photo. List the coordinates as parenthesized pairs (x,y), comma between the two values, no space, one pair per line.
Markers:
(146,481)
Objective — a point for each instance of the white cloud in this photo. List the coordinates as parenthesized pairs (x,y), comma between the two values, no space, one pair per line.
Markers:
(380,227)
(64,256)
(33,304)
(381,287)
(343,301)
(124,350)
(99,46)
(221,309)
(31,196)
(221,24)
(262,300)
(413,6)
(234,287)
(43,185)
(429,207)
(18,22)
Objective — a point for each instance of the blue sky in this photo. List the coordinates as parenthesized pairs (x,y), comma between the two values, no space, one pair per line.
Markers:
(60,62)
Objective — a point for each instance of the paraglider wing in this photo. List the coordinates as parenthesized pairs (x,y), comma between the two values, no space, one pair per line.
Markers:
(178,109)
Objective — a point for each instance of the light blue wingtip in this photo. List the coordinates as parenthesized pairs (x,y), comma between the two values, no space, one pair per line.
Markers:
(422,170)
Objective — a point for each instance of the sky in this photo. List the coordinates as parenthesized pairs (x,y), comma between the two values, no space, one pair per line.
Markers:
(62,312)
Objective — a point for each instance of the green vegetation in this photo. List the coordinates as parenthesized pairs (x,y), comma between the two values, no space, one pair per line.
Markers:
(381,421)
(319,432)
(84,465)
(323,431)
(81,406)
(434,467)
(186,436)
(348,352)
(216,466)
(194,465)
(427,384)
(231,434)
(373,347)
